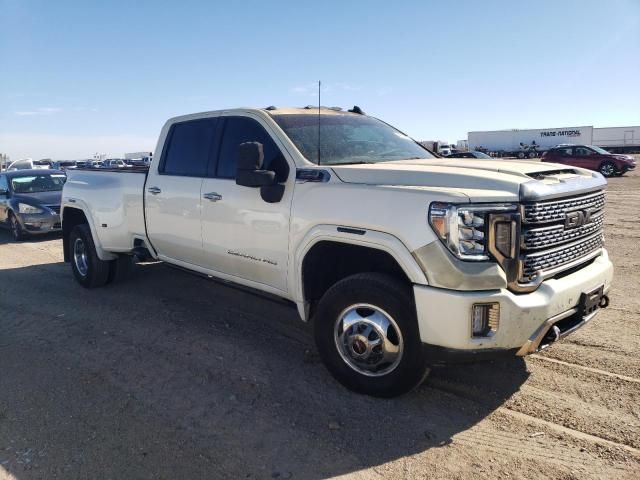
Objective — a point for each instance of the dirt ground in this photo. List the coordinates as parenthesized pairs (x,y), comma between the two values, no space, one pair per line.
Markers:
(174,376)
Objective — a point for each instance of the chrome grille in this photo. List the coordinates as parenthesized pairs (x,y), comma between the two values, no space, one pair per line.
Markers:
(557,234)
(553,259)
(553,211)
(547,237)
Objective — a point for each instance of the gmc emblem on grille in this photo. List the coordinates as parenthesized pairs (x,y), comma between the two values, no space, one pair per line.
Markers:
(577,218)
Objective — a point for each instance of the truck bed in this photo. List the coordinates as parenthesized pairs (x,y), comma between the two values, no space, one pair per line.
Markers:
(114,200)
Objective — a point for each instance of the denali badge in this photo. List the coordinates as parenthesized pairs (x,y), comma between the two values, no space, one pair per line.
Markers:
(577,218)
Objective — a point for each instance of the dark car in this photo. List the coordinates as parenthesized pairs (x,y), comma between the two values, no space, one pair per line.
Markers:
(473,154)
(592,158)
(30,201)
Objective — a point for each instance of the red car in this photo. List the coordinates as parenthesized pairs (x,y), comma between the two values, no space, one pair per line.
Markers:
(592,158)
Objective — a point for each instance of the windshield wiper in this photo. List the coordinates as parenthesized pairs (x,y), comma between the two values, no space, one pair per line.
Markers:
(358,162)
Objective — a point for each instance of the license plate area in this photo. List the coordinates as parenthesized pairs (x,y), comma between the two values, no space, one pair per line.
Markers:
(590,301)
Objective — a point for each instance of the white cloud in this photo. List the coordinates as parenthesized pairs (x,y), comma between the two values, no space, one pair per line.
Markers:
(39,111)
(61,147)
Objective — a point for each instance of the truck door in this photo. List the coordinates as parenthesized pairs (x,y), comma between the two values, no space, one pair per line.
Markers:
(243,235)
(173,191)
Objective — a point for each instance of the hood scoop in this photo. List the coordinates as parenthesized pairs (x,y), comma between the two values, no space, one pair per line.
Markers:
(551,173)
(563,183)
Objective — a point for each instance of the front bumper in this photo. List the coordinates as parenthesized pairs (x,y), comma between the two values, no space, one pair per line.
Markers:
(444,316)
(40,223)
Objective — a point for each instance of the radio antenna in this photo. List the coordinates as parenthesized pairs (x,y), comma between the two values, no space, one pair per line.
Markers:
(319,84)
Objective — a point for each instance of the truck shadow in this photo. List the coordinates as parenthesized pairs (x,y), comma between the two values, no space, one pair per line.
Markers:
(234,375)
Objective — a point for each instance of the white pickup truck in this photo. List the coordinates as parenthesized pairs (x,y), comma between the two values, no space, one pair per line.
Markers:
(401,260)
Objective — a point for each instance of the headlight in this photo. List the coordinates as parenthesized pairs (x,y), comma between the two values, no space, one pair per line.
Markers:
(464,228)
(28,209)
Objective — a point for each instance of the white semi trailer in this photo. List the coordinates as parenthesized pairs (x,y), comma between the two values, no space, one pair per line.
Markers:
(529,143)
(617,139)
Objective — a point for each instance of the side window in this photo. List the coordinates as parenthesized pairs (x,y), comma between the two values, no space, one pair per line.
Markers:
(583,152)
(238,130)
(564,152)
(189,146)
(4,185)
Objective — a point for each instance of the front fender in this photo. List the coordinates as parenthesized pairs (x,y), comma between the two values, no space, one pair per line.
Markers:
(370,238)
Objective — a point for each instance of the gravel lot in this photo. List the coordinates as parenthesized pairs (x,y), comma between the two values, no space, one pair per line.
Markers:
(171,376)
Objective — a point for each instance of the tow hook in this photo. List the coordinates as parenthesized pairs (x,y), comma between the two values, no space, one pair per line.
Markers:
(604,301)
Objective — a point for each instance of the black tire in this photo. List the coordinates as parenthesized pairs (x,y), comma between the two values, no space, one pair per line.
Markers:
(120,269)
(608,169)
(16,229)
(92,272)
(390,296)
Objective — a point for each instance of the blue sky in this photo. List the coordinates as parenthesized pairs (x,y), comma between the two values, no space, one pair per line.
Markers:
(78,77)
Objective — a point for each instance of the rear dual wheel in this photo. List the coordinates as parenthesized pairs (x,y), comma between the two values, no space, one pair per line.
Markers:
(88,269)
(367,335)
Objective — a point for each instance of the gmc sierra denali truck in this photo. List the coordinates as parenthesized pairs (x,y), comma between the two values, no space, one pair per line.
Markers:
(401,260)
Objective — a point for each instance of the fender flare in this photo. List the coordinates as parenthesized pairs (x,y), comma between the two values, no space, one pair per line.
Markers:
(370,239)
(80,205)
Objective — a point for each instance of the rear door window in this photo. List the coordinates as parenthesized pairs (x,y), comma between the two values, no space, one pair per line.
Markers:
(189,148)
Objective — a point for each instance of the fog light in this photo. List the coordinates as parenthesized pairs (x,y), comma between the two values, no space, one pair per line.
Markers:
(485,319)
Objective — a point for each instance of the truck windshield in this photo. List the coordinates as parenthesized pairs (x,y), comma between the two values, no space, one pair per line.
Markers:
(37,183)
(348,138)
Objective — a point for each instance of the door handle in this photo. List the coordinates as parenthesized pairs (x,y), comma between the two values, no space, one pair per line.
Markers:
(154,190)
(213,196)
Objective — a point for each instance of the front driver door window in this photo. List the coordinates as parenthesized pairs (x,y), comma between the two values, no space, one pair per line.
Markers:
(583,157)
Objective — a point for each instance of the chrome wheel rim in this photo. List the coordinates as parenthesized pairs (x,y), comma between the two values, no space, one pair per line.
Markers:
(369,340)
(607,170)
(80,257)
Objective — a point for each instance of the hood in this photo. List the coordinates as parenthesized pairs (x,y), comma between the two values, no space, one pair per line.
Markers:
(39,198)
(480,180)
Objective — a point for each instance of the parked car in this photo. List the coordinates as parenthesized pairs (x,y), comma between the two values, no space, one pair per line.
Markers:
(474,154)
(115,163)
(401,260)
(63,164)
(30,201)
(591,157)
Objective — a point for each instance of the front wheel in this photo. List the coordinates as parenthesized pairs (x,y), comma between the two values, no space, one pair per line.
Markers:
(367,335)
(88,269)
(16,228)
(608,169)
